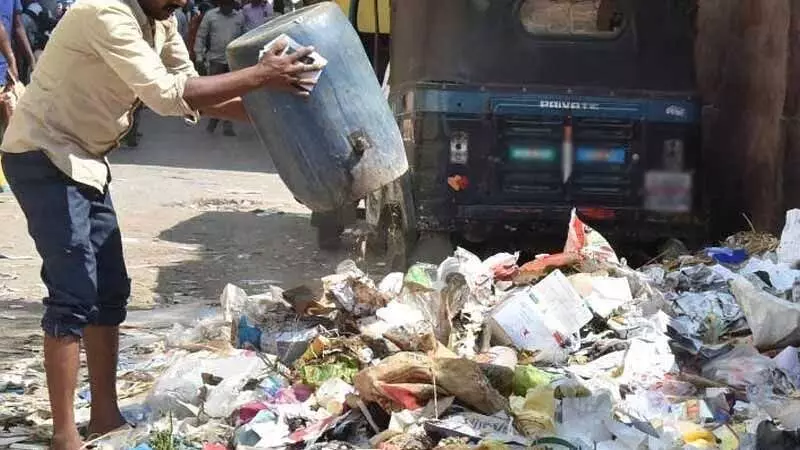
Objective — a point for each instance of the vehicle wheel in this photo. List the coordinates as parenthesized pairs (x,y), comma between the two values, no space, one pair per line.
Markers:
(398,241)
(377,239)
(329,238)
(389,241)
(432,248)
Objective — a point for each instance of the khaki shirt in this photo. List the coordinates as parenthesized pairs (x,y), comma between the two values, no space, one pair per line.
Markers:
(102,59)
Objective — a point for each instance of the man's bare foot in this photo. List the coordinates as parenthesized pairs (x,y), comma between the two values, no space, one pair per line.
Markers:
(66,442)
(100,427)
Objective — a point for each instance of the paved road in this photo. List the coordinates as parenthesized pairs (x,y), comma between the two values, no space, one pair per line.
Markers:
(197,211)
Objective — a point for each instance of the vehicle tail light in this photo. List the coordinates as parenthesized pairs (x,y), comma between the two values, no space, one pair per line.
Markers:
(458,182)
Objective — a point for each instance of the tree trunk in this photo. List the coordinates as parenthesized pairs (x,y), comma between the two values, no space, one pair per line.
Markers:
(714,25)
(791,172)
(748,133)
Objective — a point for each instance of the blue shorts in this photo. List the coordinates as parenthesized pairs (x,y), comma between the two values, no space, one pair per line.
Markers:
(76,233)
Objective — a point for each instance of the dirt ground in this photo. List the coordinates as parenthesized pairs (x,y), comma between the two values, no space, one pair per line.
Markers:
(197,211)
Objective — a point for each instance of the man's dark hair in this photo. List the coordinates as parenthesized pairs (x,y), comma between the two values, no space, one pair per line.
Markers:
(203,7)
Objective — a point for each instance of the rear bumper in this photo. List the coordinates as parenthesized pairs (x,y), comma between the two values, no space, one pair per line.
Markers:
(619,222)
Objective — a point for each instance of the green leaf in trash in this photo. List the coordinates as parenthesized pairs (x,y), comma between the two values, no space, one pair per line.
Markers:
(422,275)
(552,443)
(315,375)
(529,377)
(164,439)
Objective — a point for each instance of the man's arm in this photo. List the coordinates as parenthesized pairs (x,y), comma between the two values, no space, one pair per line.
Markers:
(7,51)
(176,58)
(115,36)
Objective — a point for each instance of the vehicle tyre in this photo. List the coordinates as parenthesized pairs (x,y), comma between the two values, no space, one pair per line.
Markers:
(377,238)
(432,248)
(329,238)
(398,241)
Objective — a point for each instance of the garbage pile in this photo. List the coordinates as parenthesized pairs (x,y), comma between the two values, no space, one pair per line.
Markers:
(568,351)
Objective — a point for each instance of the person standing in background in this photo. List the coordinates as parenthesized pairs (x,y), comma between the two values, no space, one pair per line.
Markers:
(182,17)
(11,19)
(8,53)
(219,27)
(256,13)
(194,27)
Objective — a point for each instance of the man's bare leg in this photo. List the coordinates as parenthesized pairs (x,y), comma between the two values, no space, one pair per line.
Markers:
(61,362)
(102,349)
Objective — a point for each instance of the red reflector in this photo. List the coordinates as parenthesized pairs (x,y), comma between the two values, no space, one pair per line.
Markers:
(458,182)
(597,213)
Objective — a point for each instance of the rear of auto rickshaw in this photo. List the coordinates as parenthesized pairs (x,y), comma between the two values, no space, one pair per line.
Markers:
(514,112)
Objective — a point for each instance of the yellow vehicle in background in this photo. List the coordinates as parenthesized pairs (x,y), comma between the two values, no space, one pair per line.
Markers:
(364,17)
(3,183)
(372,19)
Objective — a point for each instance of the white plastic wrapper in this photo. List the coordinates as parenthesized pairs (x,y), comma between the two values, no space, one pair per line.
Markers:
(789,249)
(773,321)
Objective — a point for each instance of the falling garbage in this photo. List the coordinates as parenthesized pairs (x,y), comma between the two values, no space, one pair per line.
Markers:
(572,351)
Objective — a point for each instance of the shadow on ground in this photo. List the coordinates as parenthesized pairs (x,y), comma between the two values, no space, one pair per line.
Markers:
(164,138)
(247,249)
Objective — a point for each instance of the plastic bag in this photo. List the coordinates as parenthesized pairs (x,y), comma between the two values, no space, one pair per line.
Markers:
(233,299)
(477,274)
(223,399)
(535,413)
(180,384)
(406,380)
(289,345)
(392,284)
(211,332)
(584,246)
(773,321)
(789,248)
(503,265)
(779,407)
(741,367)
(354,292)
(332,394)
(588,243)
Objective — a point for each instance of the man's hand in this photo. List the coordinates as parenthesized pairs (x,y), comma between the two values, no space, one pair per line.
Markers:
(12,69)
(273,71)
(285,72)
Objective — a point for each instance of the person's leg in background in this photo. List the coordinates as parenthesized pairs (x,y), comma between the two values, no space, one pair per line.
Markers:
(3,123)
(132,138)
(75,232)
(216,68)
(227,125)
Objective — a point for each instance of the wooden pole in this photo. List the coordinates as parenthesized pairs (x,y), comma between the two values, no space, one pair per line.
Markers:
(791,172)
(748,130)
